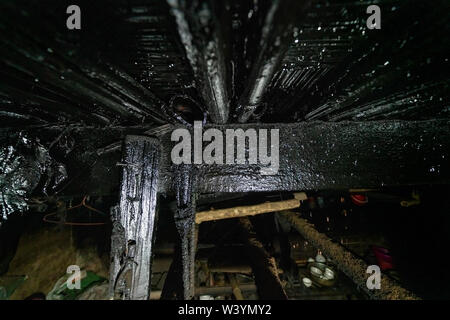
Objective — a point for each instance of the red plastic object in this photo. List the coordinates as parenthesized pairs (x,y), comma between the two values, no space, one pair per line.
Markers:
(383,257)
(359,199)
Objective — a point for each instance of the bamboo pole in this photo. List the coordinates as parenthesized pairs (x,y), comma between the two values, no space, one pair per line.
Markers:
(244,211)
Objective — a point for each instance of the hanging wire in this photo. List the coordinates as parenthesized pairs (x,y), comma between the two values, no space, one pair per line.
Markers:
(82,204)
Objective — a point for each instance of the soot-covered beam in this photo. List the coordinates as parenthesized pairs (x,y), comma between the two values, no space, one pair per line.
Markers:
(343,155)
(200,26)
(275,39)
(134,220)
(312,155)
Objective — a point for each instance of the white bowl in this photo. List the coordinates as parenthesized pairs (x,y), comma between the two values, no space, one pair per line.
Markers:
(307,282)
(329,274)
(320,258)
(316,271)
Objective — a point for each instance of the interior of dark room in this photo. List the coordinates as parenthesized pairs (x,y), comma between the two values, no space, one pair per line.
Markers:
(224,150)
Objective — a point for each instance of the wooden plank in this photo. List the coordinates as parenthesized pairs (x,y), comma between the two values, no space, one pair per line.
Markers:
(137,216)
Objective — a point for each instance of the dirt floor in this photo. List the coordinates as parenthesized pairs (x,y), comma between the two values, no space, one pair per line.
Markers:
(44,256)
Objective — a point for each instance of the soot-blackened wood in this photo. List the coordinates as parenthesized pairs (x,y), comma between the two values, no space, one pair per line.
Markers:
(276,36)
(263,265)
(173,286)
(135,218)
(185,190)
(313,156)
(334,155)
(206,49)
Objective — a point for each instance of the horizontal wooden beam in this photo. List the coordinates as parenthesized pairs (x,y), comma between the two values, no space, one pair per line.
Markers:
(244,211)
(312,156)
(339,155)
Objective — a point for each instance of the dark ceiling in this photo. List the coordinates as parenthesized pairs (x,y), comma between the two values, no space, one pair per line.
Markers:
(149,62)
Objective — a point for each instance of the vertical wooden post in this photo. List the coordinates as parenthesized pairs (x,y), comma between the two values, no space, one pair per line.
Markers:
(185,188)
(135,218)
